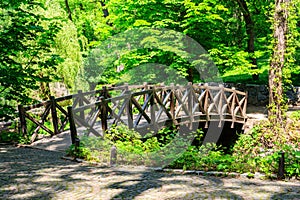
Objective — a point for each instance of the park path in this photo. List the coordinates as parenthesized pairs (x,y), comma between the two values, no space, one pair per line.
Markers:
(28,173)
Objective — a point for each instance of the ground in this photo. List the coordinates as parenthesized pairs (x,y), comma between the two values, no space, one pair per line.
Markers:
(41,172)
(29,173)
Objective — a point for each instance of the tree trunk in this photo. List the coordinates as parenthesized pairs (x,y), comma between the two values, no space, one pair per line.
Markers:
(277,63)
(250,32)
(104,10)
(190,76)
(68,10)
(45,91)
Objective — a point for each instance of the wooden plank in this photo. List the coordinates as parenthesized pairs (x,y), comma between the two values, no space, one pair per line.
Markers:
(38,105)
(163,107)
(43,118)
(181,105)
(61,109)
(85,124)
(119,115)
(38,124)
(64,98)
(141,112)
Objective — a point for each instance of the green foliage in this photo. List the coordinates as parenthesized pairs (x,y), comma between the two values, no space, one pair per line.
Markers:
(251,153)
(295,115)
(13,135)
(79,152)
(292,160)
(259,150)
(25,54)
(208,157)
(131,149)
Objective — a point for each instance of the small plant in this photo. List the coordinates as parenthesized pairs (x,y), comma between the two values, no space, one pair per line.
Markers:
(292,161)
(250,175)
(295,115)
(80,152)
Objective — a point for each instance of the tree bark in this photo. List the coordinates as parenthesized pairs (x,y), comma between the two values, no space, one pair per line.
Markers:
(277,62)
(68,10)
(251,34)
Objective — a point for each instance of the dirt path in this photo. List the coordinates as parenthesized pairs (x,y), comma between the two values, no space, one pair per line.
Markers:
(27,173)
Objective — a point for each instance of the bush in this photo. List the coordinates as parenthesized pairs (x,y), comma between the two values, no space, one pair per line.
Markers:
(259,149)
(255,151)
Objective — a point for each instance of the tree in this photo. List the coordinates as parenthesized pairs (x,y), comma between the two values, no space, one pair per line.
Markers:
(278,61)
(25,53)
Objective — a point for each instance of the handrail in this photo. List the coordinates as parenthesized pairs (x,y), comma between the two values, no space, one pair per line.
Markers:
(153,103)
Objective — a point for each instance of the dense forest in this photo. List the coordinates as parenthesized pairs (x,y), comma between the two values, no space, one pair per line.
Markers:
(47,41)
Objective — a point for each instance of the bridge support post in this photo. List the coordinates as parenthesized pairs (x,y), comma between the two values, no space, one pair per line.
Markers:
(72,125)
(54,115)
(103,114)
(23,126)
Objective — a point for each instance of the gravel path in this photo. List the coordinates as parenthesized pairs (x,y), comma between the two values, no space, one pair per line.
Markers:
(27,173)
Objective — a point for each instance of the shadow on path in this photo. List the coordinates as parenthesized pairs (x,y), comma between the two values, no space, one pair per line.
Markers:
(27,173)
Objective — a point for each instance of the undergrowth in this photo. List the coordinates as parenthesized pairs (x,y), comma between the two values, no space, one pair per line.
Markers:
(255,151)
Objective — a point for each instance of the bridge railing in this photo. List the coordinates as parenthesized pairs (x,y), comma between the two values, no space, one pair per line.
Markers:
(155,106)
(141,107)
(52,116)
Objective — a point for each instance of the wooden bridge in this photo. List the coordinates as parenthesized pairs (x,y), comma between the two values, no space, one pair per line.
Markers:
(144,108)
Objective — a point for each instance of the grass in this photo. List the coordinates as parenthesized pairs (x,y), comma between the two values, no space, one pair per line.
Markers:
(236,76)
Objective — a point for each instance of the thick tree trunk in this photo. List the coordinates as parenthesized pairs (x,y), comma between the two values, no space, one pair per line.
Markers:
(250,32)
(277,63)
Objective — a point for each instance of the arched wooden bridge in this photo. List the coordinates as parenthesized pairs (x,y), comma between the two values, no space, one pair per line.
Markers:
(144,108)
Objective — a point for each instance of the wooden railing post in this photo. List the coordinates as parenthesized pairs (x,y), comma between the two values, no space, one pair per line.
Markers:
(145,87)
(190,98)
(23,127)
(72,124)
(126,86)
(129,110)
(172,101)
(233,107)
(105,92)
(206,104)
(221,103)
(245,104)
(80,102)
(54,115)
(190,103)
(103,114)
(152,107)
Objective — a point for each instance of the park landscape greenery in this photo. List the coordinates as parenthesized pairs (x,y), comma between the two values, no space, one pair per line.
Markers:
(45,41)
